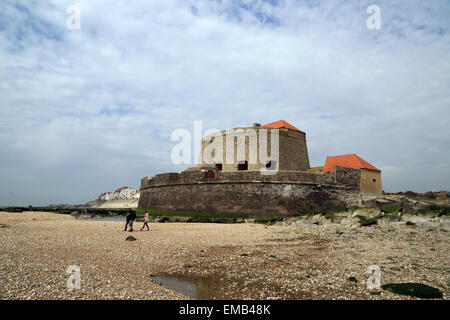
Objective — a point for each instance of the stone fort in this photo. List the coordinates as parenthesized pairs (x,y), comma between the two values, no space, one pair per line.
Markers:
(238,173)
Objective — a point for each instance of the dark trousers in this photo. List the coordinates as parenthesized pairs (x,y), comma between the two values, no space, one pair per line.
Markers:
(145,225)
(129,222)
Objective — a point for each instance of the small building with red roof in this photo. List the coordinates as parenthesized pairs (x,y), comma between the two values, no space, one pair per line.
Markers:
(370,175)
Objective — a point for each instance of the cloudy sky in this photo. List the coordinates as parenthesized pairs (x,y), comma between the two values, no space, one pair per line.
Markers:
(89,110)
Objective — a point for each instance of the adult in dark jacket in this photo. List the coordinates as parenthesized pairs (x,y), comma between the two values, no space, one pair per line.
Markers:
(131,216)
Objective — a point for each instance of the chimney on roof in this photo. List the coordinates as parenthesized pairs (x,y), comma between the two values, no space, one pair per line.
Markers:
(256,125)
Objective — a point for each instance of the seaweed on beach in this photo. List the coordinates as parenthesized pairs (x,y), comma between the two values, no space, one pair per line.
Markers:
(271,219)
(417,290)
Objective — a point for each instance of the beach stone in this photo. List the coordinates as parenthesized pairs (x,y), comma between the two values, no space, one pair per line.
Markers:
(348,221)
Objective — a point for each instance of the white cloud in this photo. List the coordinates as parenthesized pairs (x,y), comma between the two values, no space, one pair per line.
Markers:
(101,102)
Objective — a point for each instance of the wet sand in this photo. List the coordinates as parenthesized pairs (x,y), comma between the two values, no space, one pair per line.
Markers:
(235,261)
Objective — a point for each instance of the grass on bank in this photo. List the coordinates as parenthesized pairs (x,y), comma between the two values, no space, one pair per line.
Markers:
(328,208)
(175,216)
(271,219)
(390,208)
(193,216)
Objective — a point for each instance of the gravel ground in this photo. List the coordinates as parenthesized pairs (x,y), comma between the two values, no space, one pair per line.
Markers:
(236,261)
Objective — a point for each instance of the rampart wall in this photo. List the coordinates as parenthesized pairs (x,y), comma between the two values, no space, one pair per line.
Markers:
(249,192)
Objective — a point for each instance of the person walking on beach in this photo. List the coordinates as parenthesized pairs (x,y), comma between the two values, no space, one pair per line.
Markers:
(130,219)
(145,221)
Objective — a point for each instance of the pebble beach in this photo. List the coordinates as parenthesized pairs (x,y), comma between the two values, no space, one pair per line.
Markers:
(239,261)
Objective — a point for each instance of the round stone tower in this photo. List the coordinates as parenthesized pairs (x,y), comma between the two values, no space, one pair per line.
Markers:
(250,148)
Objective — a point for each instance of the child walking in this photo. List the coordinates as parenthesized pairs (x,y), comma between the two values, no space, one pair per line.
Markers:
(145,221)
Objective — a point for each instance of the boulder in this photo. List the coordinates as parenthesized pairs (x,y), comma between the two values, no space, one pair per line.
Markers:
(444,227)
(348,221)
(305,223)
(369,201)
(382,202)
(367,213)
(420,205)
(415,219)
(395,200)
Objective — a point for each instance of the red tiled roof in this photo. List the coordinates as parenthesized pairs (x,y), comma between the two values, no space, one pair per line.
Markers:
(280,124)
(121,188)
(349,160)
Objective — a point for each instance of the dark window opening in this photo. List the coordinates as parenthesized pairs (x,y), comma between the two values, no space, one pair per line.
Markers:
(209,174)
(243,165)
(218,167)
(271,164)
(374,180)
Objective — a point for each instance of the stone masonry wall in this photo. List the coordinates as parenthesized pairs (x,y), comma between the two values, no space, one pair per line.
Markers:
(249,192)
(293,153)
(371,182)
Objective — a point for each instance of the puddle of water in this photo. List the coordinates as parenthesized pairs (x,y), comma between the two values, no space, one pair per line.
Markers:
(213,288)
(192,286)
(180,285)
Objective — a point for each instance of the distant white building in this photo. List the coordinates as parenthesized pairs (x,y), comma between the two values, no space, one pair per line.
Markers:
(127,193)
(123,193)
(108,196)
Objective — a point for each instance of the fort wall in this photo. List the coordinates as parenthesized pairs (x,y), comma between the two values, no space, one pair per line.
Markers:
(249,192)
